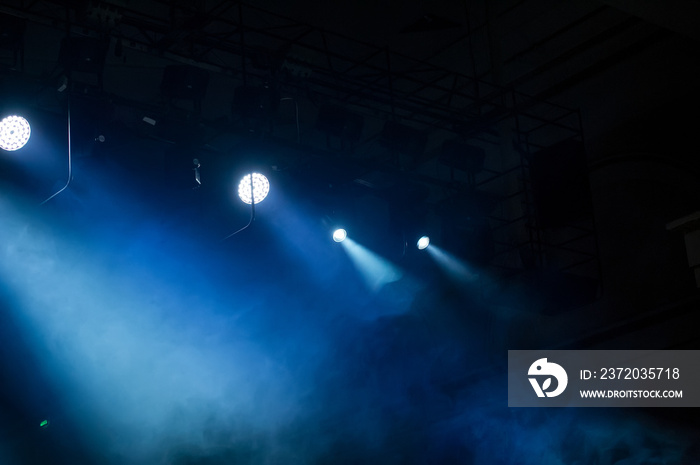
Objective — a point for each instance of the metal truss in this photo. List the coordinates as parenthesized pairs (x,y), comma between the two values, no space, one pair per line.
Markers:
(256,46)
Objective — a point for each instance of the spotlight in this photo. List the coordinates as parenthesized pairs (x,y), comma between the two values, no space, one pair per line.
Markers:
(423,242)
(261,187)
(339,235)
(14,133)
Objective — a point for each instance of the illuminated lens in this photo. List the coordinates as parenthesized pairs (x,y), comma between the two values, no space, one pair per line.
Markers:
(261,187)
(423,242)
(339,235)
(14,133)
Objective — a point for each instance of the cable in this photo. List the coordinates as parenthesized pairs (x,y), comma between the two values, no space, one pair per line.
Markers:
(252,217)
(70,161)
(252,211)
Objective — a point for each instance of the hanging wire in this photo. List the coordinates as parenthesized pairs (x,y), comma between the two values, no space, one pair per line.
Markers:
(68,85)
(252,211)
(70,161)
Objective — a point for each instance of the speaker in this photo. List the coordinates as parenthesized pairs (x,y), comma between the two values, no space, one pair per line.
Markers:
(260,103)
(184,82)
(404,139)
(339,122)
(456,154)
(83,54)
(560,186)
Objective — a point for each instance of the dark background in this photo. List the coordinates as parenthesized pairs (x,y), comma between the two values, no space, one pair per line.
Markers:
(545,146)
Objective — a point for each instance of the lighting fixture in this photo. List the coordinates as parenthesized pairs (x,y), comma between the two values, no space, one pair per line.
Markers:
(339,235)
(260,188)
(14,133)
(423,242)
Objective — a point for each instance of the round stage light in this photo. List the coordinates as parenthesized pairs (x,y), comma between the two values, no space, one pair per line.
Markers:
(423,242)
(14,133)
(339,235)
(261,187)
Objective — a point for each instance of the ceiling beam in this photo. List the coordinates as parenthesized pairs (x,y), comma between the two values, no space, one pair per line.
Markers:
(680,16)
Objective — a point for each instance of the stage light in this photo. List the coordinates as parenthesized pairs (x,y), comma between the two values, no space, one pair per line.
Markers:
(423,242)
(44,424)
(339,235)
(261,187)
(14,133)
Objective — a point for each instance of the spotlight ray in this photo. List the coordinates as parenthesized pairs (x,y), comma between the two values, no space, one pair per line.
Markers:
(128,347)
(455,268)
(375,270)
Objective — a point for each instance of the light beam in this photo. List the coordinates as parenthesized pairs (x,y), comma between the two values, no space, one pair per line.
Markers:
(454,267)
(375,270)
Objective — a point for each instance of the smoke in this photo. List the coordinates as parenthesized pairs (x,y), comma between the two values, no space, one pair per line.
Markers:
(147,343)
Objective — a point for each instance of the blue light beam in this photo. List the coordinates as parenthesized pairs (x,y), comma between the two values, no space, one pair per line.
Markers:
(454,267)
(375,270)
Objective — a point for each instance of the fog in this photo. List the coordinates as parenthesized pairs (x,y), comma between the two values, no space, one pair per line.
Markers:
(145,339)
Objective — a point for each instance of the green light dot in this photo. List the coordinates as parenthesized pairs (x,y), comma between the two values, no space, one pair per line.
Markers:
(44,423)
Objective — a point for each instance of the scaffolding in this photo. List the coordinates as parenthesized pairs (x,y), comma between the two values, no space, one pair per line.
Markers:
(257,47)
